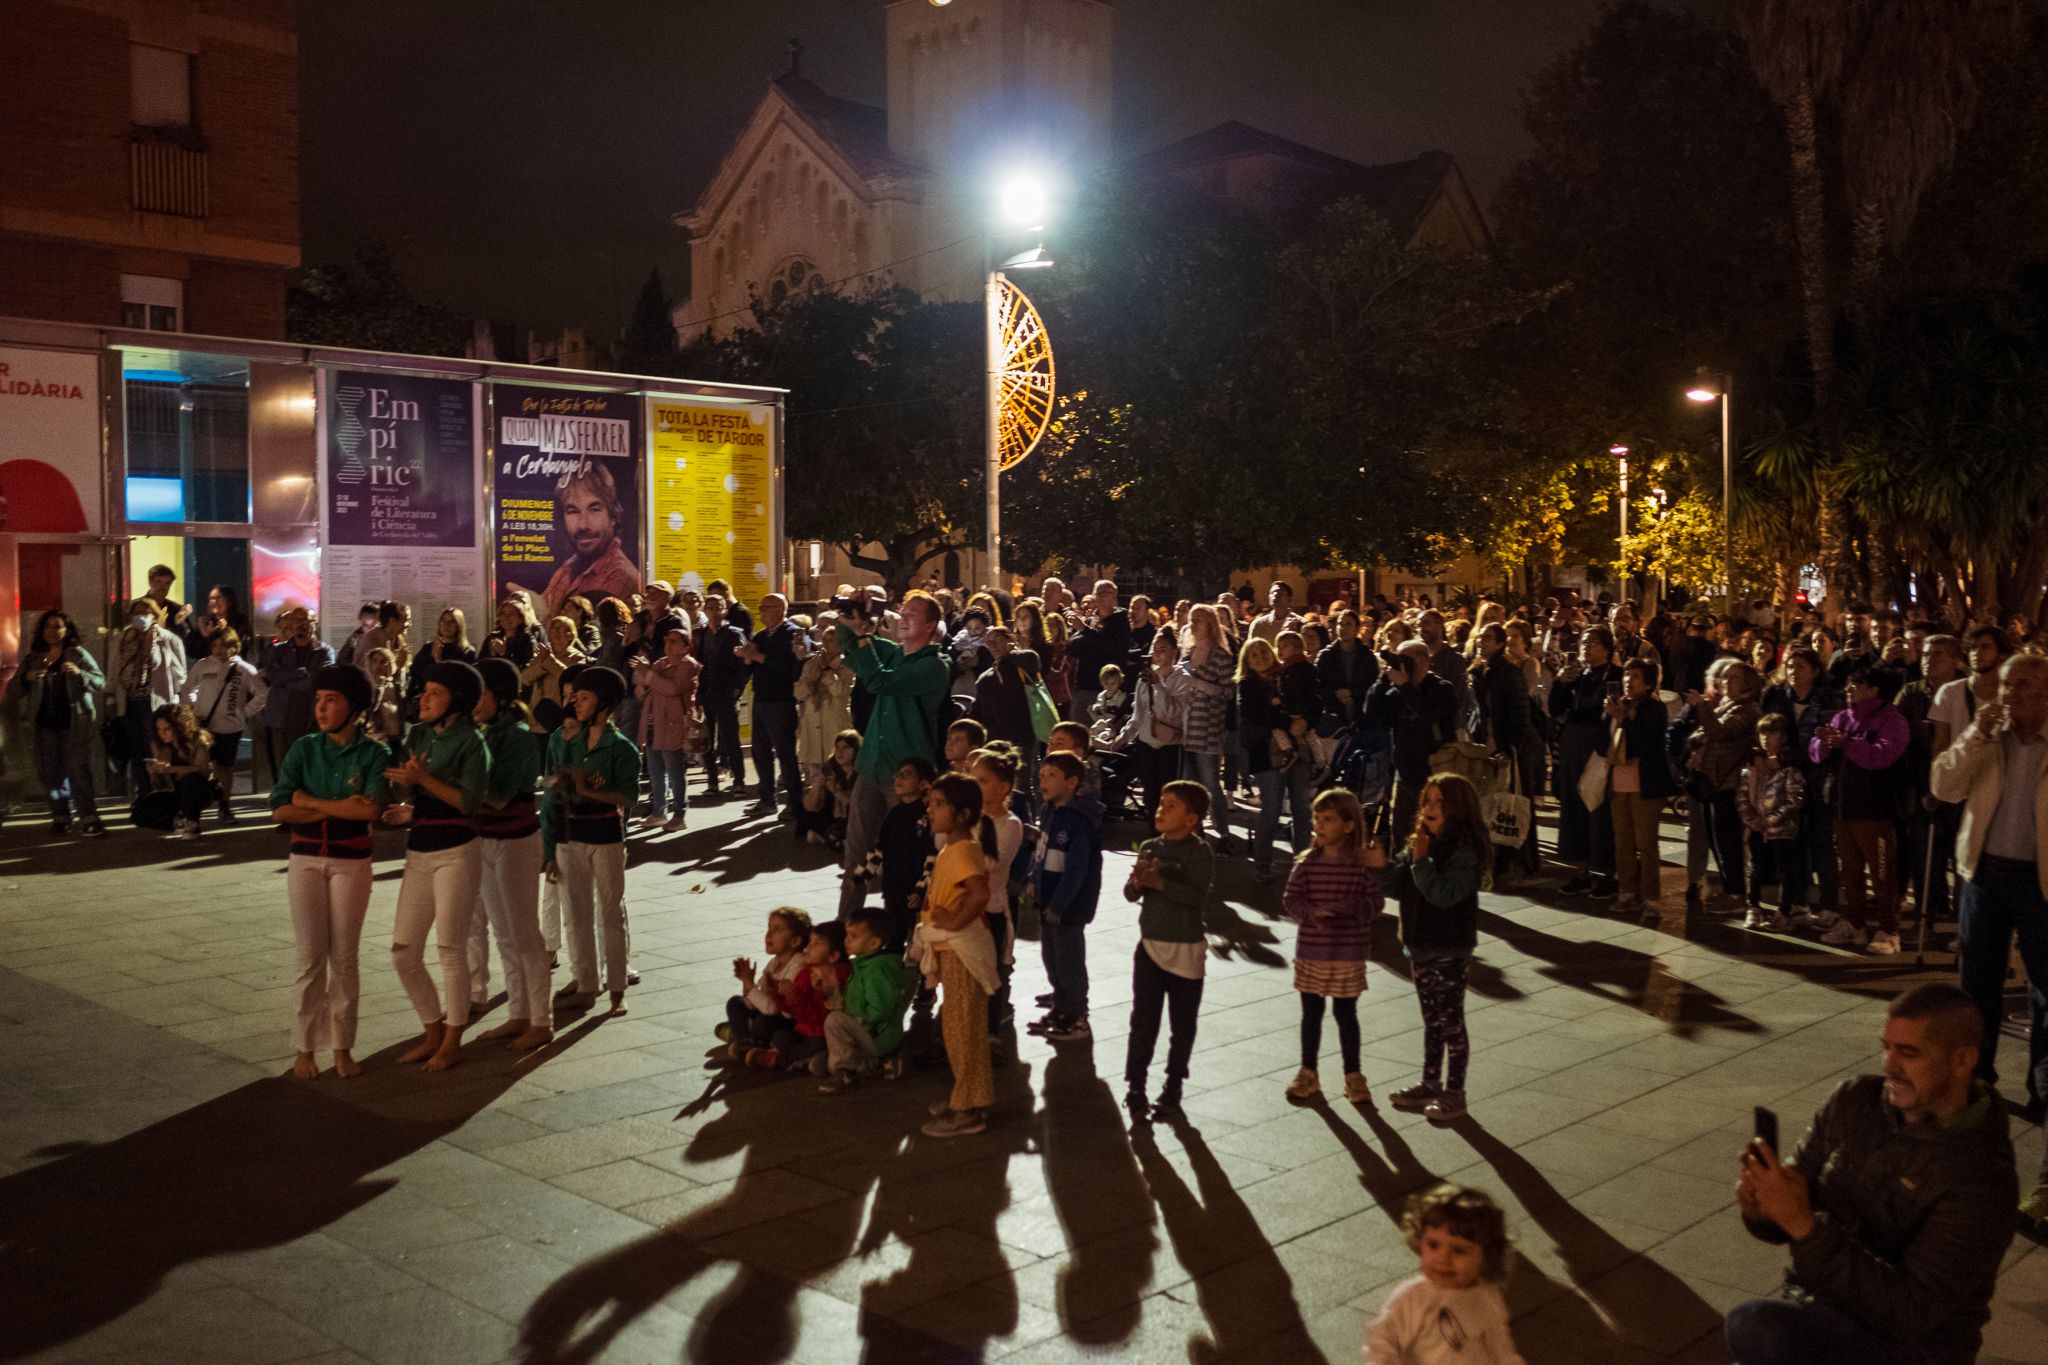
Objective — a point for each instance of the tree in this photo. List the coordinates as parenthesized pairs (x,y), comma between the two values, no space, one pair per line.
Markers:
(364,302)
(884,422)
(649,345)
(1655,204)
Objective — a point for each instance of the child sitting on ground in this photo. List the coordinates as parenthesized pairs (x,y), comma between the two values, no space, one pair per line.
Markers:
(1452,1309)
(755,1013)
(866,1031)
(1170,881)
(813,993)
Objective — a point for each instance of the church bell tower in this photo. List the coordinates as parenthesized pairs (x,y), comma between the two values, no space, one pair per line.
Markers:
(978,85)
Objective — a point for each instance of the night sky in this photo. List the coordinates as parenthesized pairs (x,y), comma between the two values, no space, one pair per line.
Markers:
(525,157)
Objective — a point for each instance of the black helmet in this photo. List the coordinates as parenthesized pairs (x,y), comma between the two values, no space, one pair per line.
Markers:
(465,685)
(349,681)
(608,685)
(501,678)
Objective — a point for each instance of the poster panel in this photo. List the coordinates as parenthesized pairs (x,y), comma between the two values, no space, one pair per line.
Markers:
(401,460)
(711,494)
(49,442)
(398,479)
(567,494)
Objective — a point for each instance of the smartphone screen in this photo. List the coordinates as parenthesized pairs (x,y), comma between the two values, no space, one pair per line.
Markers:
(1767,1127)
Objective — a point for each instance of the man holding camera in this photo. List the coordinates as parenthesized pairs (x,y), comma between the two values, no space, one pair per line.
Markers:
(1102,635)
(908,678)
(775,657)
(1897,1204)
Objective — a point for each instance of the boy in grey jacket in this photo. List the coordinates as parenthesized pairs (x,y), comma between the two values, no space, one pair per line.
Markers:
(1170,881)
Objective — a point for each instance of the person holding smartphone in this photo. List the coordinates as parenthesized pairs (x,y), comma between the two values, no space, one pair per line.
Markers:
(1897,1205)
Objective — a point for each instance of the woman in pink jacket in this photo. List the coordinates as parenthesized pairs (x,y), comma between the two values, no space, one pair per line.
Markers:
(671,726)
(1858,753)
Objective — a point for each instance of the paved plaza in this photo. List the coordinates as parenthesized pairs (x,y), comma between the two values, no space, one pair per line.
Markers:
(170,1194)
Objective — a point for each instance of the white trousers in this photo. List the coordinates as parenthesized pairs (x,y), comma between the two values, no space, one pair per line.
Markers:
(477,951)
(329,897)
(594,887)
(438,893)
(551,916)
(511,890)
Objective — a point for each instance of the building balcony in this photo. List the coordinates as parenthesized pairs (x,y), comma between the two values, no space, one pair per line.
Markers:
(165,177)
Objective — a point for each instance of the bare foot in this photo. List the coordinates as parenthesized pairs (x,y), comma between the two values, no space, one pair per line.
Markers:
(537,1036)
(427,1046)
(448,1054)
(511,1028)
(346,1065)
(304,1067)
(618,1002)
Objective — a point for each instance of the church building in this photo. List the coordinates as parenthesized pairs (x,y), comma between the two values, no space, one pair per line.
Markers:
(820,192)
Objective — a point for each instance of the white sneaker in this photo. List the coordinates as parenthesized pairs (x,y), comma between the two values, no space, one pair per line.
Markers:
(676,823)
(1304,1086)
(1883,944)
(1755,918)
(651,821)
(1845,935)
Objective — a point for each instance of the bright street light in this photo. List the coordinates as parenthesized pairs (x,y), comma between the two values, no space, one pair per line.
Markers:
(1706,388)
(1023,201)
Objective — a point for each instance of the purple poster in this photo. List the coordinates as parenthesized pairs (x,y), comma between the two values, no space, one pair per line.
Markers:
(568,494)
(401,461)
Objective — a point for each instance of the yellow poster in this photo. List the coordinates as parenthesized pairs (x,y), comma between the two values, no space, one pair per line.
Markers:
(711,494)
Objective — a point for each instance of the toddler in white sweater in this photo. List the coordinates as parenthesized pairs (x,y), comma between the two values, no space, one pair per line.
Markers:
(1452,1310)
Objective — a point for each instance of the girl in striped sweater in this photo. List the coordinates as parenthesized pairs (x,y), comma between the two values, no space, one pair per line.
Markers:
(1333,894)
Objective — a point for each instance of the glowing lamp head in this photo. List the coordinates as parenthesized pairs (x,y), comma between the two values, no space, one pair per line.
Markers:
(1617,450)
(1023,201)
(1700,395)
(941,4)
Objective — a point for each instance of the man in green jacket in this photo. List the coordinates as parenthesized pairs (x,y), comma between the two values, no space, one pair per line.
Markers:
(907,677)
(867,1028)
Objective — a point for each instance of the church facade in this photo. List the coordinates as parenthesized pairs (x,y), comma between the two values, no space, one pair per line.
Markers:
(820,192)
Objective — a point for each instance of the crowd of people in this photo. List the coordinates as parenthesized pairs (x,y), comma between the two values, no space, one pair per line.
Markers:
(969,757)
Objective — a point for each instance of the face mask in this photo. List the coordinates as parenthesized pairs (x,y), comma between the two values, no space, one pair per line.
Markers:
(142,623)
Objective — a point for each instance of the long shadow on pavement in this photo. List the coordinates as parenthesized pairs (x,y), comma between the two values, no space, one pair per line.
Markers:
(1623,975)
(89,1237)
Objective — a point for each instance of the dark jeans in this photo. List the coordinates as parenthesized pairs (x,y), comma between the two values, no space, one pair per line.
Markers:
(65,770)
(1064,948)
(1296,783)
(775,742)
(1931,879)
(999,1003)
(1346,1010)
(750,1027)
(135,720)
(1784,859)
(1793,1332)
(2002,900)
(188,800)
(1156,768)
(1153,990)
(722,743)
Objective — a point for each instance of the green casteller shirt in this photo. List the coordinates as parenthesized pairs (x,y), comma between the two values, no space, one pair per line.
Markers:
(455,755)
(319,767)
(910,696)
(509,810)
(616,762)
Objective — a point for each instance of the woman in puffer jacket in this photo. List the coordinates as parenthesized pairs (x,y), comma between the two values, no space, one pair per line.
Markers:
(1726,715)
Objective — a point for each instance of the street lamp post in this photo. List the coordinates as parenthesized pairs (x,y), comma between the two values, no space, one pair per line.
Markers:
(1620,452)
(1019,380)
(1706,388)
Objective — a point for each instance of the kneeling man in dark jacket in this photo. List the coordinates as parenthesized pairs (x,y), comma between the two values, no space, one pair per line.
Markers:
(1898,1204)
